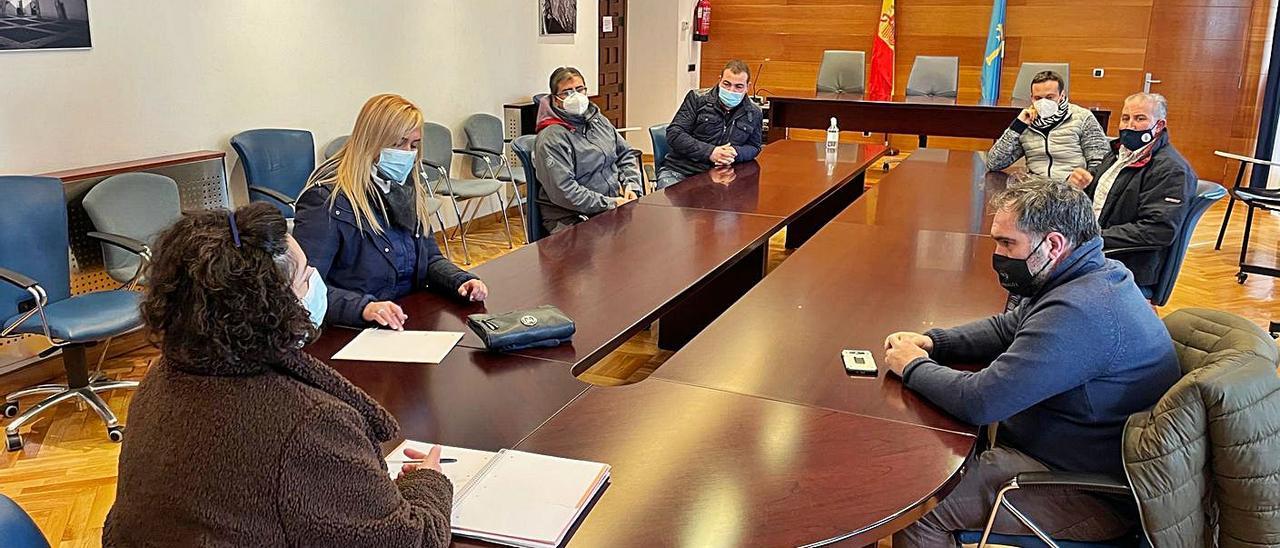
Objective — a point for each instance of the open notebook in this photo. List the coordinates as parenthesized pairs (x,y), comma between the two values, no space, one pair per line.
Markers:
(512,497)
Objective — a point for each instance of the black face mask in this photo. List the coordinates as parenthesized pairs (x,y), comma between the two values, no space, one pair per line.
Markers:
(1134,139)
(1014,274)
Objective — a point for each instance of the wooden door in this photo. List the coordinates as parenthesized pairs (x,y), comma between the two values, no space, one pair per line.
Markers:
(612,97)
(1197,50)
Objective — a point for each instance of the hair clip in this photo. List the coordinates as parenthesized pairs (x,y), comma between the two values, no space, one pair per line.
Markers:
(235,231)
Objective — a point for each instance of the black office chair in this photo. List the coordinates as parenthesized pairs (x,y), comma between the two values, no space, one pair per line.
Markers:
(36,299)
(277,163)
(1260,198)
(523,147)
(1207,192)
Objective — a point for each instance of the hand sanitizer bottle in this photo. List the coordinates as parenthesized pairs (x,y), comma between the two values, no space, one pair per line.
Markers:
(833,135)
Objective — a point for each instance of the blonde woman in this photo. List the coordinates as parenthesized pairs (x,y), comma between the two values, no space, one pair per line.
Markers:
(362,221)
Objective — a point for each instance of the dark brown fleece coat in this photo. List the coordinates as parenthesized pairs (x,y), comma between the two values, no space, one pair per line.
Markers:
(220,455)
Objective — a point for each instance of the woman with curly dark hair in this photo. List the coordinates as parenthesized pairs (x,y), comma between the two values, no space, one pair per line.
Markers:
(237,437)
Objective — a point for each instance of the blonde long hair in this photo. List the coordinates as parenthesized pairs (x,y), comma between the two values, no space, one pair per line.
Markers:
(383,121)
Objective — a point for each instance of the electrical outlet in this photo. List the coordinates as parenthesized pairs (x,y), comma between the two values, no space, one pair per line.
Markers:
(1099,72)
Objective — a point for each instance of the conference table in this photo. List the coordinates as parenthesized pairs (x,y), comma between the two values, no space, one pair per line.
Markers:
(800,183)
(923,116)
(934,189)
(750,432)
(653,260)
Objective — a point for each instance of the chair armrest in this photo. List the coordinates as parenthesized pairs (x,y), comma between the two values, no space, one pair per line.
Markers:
(484,150)
(1242,158)
(123,242)
(1097,483)
(474,153)
(1134,249)
(433,165)
(273,194)
(17,279)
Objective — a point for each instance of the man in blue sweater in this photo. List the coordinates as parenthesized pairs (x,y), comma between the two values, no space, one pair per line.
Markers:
(1080,353)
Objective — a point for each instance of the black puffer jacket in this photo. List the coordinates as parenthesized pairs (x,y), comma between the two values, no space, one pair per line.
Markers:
(1146,207)
(702,123)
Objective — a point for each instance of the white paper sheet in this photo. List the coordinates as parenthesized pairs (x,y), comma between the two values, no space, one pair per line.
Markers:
(386,345)
(470,462)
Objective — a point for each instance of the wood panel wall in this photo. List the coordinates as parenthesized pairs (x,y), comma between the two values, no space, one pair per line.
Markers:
(1109,34)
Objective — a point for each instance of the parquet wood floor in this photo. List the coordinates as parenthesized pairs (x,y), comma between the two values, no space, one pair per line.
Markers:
(65,476)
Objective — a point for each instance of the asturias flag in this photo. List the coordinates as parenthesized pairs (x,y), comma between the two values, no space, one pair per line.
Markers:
(993,56)
(880,84)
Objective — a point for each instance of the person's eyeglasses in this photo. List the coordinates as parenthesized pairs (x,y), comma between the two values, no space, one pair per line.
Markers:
(566,93)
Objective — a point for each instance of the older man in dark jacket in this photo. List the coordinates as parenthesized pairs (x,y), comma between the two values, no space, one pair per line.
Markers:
(1141,189)
(713,128)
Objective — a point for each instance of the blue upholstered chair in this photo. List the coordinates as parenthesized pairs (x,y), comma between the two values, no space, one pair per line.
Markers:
(1207,192)
(137,206)
(658,134)
(523,147)
(17,529)
(35,297)
(277,163)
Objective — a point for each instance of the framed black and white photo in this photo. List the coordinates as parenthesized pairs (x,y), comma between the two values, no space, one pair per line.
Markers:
(44,25)
(558,17)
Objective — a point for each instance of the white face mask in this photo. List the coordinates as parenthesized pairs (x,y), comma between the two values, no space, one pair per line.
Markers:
(576,104)
(1046,108)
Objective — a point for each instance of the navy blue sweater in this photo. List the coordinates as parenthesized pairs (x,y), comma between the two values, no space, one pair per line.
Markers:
(1067,366)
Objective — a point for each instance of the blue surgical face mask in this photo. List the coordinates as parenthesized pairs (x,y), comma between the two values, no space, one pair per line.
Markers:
(317,299)
(396,163)
(730,98)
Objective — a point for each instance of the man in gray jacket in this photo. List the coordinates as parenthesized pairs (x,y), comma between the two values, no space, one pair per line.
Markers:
(584,165)
(1080,353)
(1054,135)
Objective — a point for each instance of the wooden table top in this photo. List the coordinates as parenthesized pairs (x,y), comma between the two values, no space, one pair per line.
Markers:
(933,189)
(700,467)
(904,115)
(752,433)
(1012,105)
(474,399)
(849,287)
(786,180)
(614,275)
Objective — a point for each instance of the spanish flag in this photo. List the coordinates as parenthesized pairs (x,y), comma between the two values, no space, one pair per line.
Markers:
(880,79)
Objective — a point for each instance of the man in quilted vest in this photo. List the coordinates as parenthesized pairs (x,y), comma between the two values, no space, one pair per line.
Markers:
(1054,135)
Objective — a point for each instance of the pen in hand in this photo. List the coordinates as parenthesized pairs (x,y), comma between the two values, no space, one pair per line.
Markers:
(419,461)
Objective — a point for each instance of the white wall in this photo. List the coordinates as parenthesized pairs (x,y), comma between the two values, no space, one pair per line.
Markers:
(169,76)
(658,54)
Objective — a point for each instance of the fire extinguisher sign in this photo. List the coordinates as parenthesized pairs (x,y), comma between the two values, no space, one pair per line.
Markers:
(702,21)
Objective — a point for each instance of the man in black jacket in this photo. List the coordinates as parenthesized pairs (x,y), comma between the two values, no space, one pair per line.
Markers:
(1141,189)
(713,128)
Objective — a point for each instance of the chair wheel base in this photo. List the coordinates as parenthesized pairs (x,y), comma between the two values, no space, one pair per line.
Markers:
(115,433)
(1241,277)
(10,409)
(13,442)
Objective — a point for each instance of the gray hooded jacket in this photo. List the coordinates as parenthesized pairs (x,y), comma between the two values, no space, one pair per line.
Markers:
(583,164)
